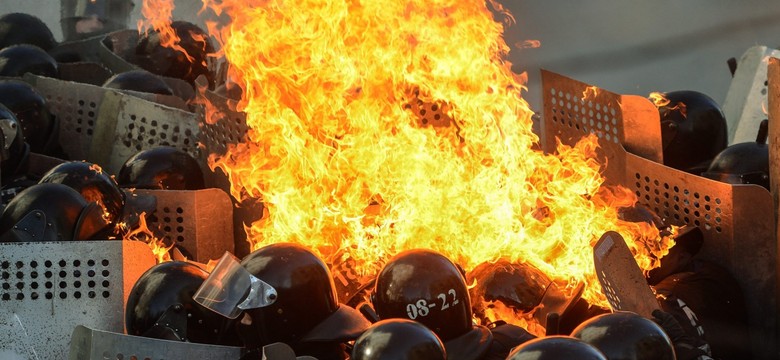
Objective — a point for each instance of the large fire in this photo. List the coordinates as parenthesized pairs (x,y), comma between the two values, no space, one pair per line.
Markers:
(341,156)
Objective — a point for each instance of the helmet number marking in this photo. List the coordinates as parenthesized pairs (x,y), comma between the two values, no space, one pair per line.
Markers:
(421,308)
(443,297)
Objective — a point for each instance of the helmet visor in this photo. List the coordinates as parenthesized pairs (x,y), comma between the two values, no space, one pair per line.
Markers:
(112,10)
(230,289)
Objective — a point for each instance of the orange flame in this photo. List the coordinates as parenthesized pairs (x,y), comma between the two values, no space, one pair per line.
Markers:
(96,168)
(590,92)
(157,15)
(495,310)
(528,44)
(335,94)
(660,100)
(143,233)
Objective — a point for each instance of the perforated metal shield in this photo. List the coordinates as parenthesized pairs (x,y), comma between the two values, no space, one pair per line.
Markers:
(90,344)
(76,106)
(621,279)
(106,127)
(573,109)
(84,72)
(737,220)
(201,221)
(746,100)
(49,288)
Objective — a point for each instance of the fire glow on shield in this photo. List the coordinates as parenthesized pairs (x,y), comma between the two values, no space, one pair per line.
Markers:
(380,126)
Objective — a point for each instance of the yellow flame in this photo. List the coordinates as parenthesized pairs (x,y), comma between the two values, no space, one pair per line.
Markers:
(96,168)
(334,93)
(658,99)
(143,233)
(157,16)
(494,310)
(590,93)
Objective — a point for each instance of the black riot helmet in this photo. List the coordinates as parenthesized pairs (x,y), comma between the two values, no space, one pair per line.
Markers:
(82,19)
(13,149)
(744,163)
(19,28)
(17,60)
(50,212)
(425,286)
(519,286)
(398,339)
(693,130)
(162,167)
(93,183)
(40,128)
(160,306)
(306,308)
(139,80)
(186,65)
(555,348)
(626,336)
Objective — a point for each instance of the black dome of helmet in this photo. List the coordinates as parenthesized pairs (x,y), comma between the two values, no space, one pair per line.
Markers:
(693,129)
(19,28)
(555,348)
(398,339)
(139,80)
(744,163)
(39,127)
(625,335)
(518,286)
(160,305)
(17,60)
(152,56)
(423,278)
(425,286)
(306,308)
(162,167)
(50,212)
(13,147)
(93,184)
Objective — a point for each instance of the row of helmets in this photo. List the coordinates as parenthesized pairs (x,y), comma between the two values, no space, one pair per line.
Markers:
(84,19)
(420,307)
(28,46)
(77,200)
(87,202)
(695,140)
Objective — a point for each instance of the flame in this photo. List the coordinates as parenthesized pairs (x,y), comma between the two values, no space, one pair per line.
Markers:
(590,92)
(93,194)
(157,15)
(528,44)
(335,93)
(96,168)
(143,233)
(494,310)
(660,100)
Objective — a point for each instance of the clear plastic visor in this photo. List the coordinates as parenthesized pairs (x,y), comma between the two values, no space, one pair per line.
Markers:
(230,289)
